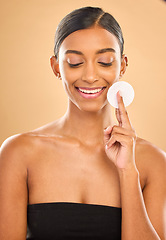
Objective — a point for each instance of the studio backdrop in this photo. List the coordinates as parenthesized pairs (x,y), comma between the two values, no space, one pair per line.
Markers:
(30,94)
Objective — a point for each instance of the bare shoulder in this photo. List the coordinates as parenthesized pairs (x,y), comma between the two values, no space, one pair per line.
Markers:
(14,157)
(29,141)
(150,159)
(12,144)
(149,151)
(17,140)
(25,146)
(16,148)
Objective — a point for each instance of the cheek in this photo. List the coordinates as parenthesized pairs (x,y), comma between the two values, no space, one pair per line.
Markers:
(68,80)
(68,74)
(67,88)
(110,74)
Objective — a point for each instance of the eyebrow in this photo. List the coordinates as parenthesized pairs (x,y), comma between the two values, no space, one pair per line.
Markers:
(104,50)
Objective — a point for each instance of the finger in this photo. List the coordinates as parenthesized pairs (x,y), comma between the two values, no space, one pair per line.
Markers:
(123,140)
(117,113)
(107,134)
(122,114)
(123,131)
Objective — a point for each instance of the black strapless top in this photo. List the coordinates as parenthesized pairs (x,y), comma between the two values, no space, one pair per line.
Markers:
(71,221)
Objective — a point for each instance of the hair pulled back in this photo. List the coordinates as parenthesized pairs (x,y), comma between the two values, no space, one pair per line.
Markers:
(84,18)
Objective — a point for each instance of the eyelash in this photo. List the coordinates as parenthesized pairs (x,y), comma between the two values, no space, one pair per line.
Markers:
(75,65)
(78,64)
(105,64)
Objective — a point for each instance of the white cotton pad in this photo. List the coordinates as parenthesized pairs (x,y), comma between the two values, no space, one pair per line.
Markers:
(126,91)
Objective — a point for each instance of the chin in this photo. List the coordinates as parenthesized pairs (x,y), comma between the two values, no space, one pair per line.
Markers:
(91,107)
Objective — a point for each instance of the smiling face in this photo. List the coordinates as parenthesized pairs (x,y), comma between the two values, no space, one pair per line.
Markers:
(89,63)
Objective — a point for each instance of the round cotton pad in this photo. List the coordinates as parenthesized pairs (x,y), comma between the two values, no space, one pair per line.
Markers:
(126,91)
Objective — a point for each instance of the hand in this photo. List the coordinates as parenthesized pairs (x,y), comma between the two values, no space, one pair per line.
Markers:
(120,139)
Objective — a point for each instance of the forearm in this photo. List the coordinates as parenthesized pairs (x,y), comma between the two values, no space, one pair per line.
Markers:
(135,221)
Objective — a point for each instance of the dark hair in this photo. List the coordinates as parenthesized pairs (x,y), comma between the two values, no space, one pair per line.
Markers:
(84,18)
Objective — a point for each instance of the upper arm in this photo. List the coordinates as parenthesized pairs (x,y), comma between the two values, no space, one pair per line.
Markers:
(13,190)
(155,190)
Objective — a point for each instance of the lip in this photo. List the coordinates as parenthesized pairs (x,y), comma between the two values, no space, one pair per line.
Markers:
(93,88)
(90,95)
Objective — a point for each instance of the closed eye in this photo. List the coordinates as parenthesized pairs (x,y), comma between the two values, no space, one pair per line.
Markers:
(78,64)
(75,65)
(105,64)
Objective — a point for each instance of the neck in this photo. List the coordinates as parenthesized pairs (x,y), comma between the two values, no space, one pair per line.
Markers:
(87,127)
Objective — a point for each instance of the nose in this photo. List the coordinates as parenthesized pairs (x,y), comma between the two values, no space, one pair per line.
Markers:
(90,73)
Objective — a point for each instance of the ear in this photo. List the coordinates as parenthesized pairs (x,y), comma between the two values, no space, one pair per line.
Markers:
(55,66)
(124,64)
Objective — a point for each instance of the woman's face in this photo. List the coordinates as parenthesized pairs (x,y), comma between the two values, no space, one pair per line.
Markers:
(89,63)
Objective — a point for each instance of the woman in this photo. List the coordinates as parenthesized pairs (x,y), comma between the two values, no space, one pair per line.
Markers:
(82,177)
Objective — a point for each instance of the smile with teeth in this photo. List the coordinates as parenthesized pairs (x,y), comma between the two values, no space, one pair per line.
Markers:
(88,91)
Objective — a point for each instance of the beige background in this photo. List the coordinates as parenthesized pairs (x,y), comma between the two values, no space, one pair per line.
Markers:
(30,94)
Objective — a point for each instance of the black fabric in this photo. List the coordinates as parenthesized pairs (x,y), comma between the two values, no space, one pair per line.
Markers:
(70,221)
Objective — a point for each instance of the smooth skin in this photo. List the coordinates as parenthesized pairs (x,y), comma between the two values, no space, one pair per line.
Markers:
(84,156)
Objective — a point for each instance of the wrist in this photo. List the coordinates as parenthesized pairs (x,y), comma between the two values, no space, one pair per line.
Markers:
(129,180)
(130,172)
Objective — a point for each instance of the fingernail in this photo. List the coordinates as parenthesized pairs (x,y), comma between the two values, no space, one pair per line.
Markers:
(109,127)
(105,129)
